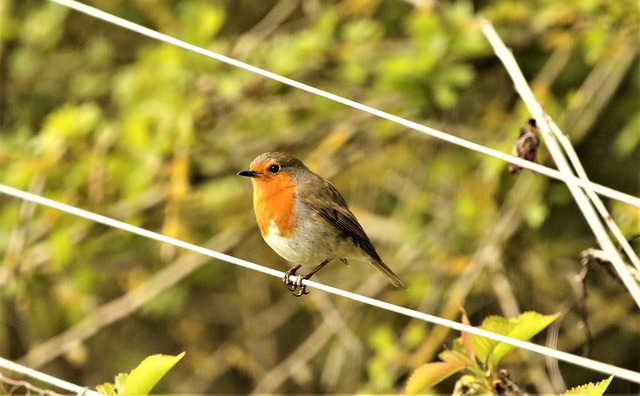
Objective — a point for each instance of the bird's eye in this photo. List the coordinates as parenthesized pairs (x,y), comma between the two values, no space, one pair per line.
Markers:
(274,168)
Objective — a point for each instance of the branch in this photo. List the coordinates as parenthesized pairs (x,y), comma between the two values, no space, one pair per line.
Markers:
(125,305)
(558,156)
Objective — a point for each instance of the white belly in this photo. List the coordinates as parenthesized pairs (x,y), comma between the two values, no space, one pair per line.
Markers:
(307,246)
(291,248)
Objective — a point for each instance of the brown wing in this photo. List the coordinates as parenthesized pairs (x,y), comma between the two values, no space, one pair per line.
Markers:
(338,214)
(341,217)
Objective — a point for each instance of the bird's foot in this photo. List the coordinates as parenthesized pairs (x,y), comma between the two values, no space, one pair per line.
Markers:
(295,286)
(291,272)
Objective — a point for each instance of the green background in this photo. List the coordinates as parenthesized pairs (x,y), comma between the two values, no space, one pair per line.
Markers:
(102,118)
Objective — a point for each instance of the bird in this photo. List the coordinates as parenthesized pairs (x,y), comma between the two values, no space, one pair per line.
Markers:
(526,146)
(305,220)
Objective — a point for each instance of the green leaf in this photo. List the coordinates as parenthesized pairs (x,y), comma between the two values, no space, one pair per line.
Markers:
(590,389)
(455,356)
(430,374)
(144,377)
(522,328)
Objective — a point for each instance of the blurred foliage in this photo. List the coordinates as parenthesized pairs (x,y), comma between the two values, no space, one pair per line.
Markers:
(110,121)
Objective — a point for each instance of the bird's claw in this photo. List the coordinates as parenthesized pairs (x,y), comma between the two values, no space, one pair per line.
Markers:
(296,287)
(287,275)
(301,291)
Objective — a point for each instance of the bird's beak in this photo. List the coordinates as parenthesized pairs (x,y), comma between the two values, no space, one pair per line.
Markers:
(248,173)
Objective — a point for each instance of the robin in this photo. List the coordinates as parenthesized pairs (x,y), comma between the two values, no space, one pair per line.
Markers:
(304,219)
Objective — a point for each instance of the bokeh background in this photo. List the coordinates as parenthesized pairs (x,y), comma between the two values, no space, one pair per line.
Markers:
(107,120)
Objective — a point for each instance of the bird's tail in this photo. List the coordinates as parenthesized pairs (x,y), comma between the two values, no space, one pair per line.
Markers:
(397,282)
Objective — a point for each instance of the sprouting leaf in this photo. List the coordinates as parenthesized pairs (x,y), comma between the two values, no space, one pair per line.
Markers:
(430,374)
(107,389)
(523,327)
(453,355)
(119,383)
(467,385)
(144,377)
(115,388)
(590,389)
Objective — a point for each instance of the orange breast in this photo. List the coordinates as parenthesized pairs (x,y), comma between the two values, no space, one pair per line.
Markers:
(273,202)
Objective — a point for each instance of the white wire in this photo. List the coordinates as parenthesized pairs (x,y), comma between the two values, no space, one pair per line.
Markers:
(46,378)
(600,189)
(564,356)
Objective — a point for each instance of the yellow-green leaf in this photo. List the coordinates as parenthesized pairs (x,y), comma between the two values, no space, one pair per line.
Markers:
(522,328)
(590,389)
(144,377)
(430,374)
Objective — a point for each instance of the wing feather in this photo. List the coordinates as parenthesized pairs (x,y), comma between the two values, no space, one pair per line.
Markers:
(341,217)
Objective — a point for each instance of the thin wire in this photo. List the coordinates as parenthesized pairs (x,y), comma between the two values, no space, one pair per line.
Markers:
(570,179)
(46,378)
(564,356)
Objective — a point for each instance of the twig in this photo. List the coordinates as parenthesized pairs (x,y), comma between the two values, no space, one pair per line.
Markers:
(17,384)
(40,253)
(273,19)
(270,382)
(579,195)
(125,305)
(507,221)
(58,383)
(595,199)
(602,83)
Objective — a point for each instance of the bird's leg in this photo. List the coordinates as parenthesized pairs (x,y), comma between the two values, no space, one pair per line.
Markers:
(288,274)
(297,283)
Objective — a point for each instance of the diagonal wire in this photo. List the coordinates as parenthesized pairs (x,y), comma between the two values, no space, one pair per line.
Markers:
(569,179)
(560,355)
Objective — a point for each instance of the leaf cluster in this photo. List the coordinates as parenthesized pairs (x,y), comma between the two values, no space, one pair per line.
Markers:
(478,355)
